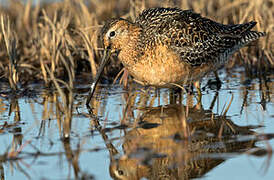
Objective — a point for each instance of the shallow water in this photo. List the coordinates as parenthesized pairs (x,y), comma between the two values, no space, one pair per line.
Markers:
(140,133)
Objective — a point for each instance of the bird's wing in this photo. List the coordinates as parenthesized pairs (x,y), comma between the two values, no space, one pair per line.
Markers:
(195,38)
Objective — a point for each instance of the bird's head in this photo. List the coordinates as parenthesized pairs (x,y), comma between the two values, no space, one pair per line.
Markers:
(115,34)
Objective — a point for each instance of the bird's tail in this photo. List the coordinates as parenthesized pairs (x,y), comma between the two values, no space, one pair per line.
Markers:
(250,36)
(242,28)
(243,31)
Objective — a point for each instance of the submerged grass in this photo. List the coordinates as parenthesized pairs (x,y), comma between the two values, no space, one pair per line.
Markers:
(43,42)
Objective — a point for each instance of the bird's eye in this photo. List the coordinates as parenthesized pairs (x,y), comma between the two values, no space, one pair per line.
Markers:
(112,34)
(120,172)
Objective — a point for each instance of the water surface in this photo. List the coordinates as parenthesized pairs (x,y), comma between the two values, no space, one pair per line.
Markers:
(139,133)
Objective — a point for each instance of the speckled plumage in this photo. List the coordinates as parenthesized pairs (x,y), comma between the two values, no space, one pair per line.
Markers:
(166,46)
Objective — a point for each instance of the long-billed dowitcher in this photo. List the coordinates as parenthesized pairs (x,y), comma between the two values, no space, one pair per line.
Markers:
(169,46)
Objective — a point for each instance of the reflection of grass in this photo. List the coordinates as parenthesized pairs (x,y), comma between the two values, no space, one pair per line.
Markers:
(63,35)
(56,106)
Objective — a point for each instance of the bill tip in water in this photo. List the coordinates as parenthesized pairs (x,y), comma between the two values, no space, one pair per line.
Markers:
(104,61)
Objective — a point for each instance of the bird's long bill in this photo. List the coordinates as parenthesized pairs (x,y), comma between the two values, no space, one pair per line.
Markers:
(104,61)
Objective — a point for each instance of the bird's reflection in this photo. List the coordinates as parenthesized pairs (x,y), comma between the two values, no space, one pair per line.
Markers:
(178,142)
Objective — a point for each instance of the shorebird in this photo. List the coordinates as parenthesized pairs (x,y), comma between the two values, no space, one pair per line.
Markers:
(166,47)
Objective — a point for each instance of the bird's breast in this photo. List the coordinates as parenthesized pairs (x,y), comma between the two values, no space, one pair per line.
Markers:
(157,66)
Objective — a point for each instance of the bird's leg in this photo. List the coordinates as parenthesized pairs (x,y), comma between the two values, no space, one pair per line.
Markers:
(175,93)
(189,89)
(214,84)
(218,81)
(124,78)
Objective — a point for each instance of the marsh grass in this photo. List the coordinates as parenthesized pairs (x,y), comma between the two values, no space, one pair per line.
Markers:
(60,39)
(10,45)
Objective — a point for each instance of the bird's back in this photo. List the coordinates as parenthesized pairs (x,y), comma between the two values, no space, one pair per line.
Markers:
(196,39)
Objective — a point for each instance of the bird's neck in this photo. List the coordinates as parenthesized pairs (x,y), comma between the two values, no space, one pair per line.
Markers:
(131,49)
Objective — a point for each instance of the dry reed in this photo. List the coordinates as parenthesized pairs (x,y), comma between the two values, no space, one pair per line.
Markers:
(60,39)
